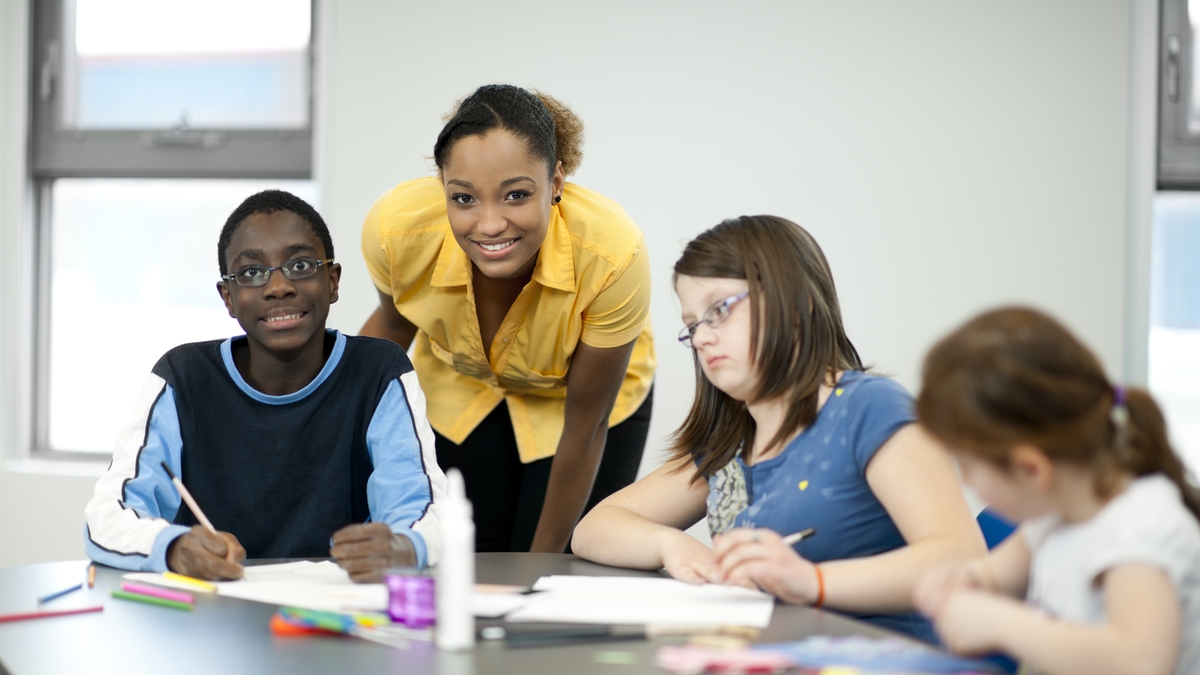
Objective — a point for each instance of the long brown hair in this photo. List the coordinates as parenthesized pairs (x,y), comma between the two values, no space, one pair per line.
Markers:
(1015,375)
(796,325)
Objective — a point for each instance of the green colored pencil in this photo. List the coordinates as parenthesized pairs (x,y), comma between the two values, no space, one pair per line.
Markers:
(151,600)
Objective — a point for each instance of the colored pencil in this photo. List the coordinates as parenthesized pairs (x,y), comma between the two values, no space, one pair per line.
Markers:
(59,594)
(158,592)
(198,584)
(150,600)
(92,575)
(799,536)
(45,615)
(187,497)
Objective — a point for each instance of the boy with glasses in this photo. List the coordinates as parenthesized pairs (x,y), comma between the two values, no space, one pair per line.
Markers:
(284,437)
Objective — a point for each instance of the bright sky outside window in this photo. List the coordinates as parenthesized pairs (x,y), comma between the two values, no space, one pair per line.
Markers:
(157,27)
(133,273)
(1174,359)
(219,64)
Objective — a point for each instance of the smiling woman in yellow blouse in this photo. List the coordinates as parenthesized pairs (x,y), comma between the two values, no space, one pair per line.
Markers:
(526,302)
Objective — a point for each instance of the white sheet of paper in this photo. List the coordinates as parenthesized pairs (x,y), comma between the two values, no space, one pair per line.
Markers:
(322,586)
(638,600)
(494,605)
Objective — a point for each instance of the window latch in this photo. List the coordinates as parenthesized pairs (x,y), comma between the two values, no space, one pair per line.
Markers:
(1173,49)
(183,136)
(49,71)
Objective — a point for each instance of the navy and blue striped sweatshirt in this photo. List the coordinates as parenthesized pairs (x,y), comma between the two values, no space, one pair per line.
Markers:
(281,473)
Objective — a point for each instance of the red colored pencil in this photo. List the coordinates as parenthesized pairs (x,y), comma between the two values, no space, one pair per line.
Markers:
(46,615)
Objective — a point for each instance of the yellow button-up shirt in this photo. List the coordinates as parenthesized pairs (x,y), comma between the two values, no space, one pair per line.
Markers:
(591,284)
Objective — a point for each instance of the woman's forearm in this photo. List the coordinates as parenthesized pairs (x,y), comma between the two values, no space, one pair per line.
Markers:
(387,322)
(571,478)
(642,526)
(885,582)
(593,382)
(612,535)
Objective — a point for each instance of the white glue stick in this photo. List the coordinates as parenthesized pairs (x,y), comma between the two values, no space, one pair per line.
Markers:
(456,570)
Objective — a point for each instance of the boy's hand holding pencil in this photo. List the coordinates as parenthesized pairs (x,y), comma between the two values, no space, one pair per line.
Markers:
(204,555)
(203,552)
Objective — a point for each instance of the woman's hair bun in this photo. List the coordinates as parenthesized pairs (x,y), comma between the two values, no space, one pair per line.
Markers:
(568,132)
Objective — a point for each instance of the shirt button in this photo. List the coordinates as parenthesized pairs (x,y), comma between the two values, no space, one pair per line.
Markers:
(504,340)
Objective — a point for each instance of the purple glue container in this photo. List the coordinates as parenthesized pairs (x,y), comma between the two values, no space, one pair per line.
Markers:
(410,597)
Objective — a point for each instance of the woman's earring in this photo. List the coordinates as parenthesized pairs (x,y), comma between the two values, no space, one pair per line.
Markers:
(557,199)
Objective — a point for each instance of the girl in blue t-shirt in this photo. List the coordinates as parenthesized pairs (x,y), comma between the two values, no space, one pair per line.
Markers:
(787,432)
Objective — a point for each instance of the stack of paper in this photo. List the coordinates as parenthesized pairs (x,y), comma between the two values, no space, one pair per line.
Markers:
(322,586)
(637,600)
(326,587)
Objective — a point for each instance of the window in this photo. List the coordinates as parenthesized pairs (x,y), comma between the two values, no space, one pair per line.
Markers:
(1174,375)
(139,88)
(1174,344)
(152,121)
(1179,97)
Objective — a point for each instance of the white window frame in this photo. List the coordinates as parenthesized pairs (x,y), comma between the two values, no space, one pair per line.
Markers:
(147,153)
(1178,150)
(55,153)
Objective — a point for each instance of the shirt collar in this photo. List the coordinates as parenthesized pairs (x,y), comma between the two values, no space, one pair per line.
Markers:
(453,267)
(555,266)
(556,263)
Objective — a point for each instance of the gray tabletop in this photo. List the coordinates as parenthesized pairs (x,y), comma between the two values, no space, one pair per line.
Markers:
(228,635)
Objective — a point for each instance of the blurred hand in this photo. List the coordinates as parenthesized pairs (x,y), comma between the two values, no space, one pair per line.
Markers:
(688,560)
(943,581)
(365,551)
(970,622)
(758,558)
(204,555)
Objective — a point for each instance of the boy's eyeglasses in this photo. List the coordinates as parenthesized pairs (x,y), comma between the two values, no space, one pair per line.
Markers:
(713,316)
(294,270)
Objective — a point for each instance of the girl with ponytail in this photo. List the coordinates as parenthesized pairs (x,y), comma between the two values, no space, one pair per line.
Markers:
(1107,556)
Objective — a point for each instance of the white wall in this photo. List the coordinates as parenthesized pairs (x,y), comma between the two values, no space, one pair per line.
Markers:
(41,516)
(948,156)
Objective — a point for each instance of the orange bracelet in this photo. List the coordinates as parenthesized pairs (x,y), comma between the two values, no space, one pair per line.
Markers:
(820,586)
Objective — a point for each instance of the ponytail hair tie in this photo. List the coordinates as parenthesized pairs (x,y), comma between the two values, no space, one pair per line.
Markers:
(1119,416)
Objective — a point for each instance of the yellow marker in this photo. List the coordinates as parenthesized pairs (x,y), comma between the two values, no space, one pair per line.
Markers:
(838,391)
(803,485)
(198,584)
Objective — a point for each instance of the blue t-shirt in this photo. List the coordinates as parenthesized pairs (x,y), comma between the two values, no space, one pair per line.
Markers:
(820,480)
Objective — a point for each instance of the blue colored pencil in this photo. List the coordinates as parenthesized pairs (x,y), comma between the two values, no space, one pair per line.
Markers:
(59,594)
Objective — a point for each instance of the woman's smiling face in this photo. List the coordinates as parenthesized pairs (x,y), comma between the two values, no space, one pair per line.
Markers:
(499,200)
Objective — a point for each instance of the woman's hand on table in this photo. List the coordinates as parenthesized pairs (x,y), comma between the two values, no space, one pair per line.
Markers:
(365,551)
(758,558)
(204,555)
